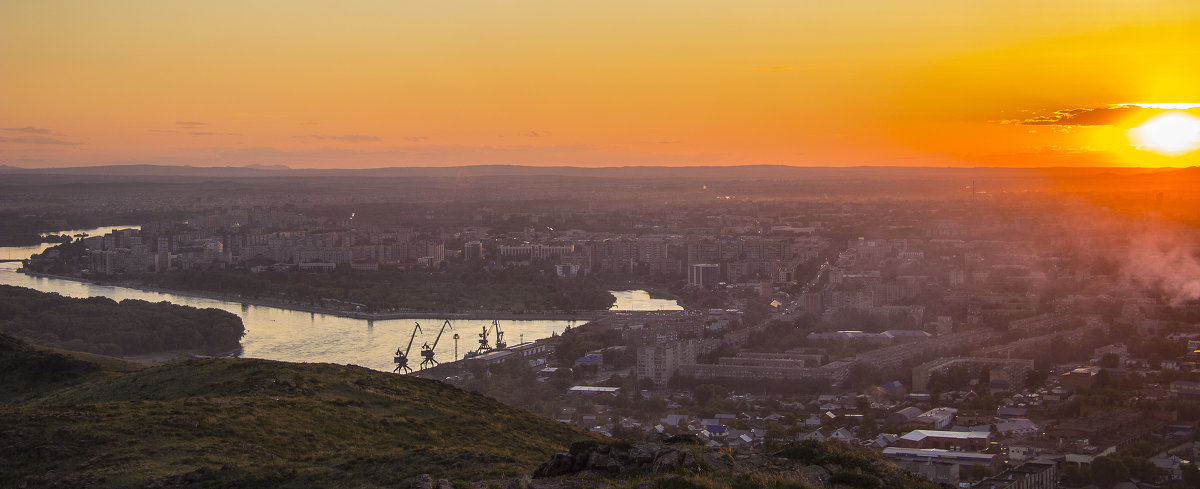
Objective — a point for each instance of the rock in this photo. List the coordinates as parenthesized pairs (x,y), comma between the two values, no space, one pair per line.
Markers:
(688,439)
(721,462)
(423,481)
(599,458)
(641,455)
(668,459)
(560,463)
(443,484)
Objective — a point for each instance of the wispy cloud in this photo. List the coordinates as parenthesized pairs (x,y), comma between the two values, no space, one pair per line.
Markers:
(415,139)
(190,124)
(1109,115)
(347,138)
(195,133)
(40,140)
(774,68)
(29,130)
(210,133)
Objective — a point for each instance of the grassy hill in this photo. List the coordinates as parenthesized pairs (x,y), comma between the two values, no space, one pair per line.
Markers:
(250,423)
(71,419)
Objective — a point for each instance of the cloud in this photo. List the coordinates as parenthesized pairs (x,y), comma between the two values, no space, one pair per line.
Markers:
(195,133)
(29,130)
(415,139)
(532,134)
(348,138)
(40,140)
(190,124)
(1111,115)
(774,68)
(209,133)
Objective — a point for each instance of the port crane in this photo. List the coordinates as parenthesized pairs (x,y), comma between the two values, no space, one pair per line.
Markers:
(483,342)
(402,356)
(500,343)
(427,351)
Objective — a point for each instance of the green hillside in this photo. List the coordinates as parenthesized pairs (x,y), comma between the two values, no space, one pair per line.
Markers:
(253,423)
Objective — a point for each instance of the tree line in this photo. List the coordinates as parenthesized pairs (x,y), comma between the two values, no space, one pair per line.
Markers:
(454,288)
(101,325)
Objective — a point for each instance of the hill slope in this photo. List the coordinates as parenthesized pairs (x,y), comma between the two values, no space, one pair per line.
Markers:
(254,423)
(67,420)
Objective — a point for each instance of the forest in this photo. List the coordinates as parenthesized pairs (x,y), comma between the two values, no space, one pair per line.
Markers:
(452,289)
(101,325)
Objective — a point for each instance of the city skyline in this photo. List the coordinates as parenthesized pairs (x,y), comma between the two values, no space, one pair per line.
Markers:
(383,84)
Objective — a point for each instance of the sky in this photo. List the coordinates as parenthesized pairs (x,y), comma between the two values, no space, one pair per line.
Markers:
(363,84)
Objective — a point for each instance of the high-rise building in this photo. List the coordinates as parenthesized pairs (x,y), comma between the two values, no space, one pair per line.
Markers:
(704,275)
(473,251)
(660,362)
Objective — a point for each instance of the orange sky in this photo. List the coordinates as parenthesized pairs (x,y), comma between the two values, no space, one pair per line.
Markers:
(359,84)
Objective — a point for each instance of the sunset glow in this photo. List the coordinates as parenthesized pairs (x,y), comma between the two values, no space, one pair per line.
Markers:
(375,84)
(1172,133)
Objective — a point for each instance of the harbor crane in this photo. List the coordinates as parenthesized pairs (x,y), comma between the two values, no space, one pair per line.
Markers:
(402,356)
(427,350)
(500,343)
(483,342)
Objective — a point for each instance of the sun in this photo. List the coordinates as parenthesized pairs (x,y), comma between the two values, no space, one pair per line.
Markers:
(1171,133)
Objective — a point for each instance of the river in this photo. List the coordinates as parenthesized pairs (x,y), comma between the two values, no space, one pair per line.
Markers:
(294,336)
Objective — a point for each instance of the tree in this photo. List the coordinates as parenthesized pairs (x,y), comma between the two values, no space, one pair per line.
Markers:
(1108,471)
(1110,360)
(706,393)
(1191,475)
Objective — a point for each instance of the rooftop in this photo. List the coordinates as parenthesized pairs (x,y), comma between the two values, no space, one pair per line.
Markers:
(918,435)
(937,453)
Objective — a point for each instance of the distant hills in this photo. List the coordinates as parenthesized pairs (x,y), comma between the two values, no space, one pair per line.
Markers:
(741,172)
(1173,191)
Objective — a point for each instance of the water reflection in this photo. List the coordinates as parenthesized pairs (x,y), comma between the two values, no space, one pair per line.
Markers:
(23,252)
(296,336)
(640,300)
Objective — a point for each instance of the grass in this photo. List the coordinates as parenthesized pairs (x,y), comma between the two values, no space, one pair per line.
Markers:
(71,420)
(252,423)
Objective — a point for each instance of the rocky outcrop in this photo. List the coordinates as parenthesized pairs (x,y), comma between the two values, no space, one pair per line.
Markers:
(682,464)
(616,458)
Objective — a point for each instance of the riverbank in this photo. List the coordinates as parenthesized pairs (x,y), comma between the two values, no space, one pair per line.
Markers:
(293,306)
